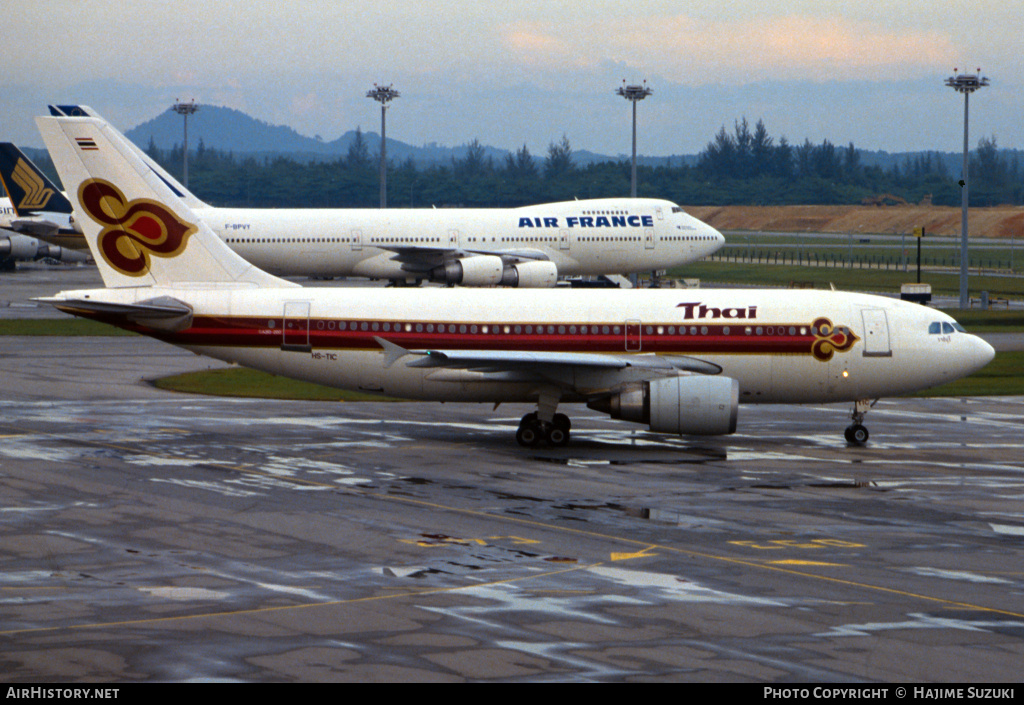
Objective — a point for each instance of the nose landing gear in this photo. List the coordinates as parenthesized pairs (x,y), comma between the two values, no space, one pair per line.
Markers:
(857,434)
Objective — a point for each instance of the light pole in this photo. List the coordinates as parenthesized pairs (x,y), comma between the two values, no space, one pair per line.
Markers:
(383,95)
(965,83)
(185,109)
(633,94)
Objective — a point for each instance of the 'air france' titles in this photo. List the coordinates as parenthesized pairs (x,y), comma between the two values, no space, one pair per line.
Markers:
(590,221)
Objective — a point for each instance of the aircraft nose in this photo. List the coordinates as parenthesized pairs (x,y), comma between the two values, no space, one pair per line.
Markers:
(717,239)
(979,354)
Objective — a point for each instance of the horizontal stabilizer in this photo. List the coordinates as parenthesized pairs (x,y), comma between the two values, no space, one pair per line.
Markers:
(35,227)
(161,313)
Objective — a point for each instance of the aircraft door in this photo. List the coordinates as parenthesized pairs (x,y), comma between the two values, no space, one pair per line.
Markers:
(633,340)
(357,239)
(876,333)
(649,239)
(295,331)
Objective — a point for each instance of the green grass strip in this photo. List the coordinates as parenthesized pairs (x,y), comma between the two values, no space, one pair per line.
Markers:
(871,280)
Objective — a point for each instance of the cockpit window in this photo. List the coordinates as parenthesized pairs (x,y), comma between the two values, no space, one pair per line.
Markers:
(934,328)
(944,328)
(677,209)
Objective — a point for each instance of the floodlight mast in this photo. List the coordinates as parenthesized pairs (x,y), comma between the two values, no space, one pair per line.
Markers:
(185,109)
(383,95)
(965,83)
(633,93)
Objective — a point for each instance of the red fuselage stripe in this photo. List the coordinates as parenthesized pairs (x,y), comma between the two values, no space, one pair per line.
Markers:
(327,334)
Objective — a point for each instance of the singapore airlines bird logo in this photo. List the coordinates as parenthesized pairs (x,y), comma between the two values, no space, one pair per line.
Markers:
(35,190)
(133,230)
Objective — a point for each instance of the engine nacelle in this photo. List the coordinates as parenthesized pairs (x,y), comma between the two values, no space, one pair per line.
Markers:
(531,275)
(19,247)
(480,270)
(62,254)
(698,405)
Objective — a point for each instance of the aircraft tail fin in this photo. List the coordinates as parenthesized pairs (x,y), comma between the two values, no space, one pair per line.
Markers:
(139,232)
(30,191)
(190,199)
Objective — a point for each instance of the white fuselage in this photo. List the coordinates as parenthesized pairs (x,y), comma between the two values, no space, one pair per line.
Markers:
(581,238)
(781,346)
(7,213)
(602,236)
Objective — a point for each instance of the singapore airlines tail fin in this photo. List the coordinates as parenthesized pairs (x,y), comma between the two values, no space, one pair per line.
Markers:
(190,199)
(31,193)
(139,232)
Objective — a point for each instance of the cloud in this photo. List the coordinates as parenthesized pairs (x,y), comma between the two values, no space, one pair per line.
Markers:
(697,51)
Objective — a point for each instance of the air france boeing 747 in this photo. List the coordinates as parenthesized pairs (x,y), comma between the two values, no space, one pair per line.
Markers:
(525,247)
(680,362)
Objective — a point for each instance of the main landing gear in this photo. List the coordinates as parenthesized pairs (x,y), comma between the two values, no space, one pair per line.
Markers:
(544,423)
(532,430)
(856,434)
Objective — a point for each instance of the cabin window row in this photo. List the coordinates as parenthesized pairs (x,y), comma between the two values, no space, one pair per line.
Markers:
(472,329)
(623,238)
(250,240)
(529,329)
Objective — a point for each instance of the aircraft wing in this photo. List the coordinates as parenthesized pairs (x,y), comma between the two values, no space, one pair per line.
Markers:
(35,227)
(425,259)
(586,372)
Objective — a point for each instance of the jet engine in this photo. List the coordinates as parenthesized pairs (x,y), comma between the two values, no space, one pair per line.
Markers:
(480,270)
(19,248)
(61,254)
(531,275)
(699,405)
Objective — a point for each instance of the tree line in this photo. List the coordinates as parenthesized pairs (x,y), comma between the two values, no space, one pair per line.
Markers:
(744,166)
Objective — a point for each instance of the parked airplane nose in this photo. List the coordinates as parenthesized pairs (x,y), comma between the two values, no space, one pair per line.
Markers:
(717,239)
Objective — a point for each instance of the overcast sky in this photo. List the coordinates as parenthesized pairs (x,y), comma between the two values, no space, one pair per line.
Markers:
(529,71)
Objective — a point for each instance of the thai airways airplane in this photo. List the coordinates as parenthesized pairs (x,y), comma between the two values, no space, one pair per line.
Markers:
(679,361)
(526,247)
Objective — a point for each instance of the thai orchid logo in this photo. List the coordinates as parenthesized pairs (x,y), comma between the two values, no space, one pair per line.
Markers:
(133,230)
(829,339)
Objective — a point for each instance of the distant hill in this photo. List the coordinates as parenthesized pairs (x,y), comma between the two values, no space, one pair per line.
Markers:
(231,130)
(222,128)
